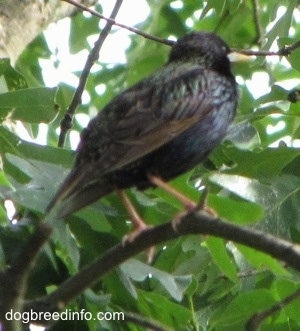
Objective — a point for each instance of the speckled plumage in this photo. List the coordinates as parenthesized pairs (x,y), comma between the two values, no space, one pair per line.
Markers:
(164,125)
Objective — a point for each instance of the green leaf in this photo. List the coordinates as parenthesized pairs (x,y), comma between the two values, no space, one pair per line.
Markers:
(36,194)
(45,178)
(293,58)
(3,179)
(284,289)
(10,143)
(33,105)
(261,164)
(13,79)
(247,188)
(243,307)
(272,129)
(29,61)
(166,311)
(277,94)
(93,242)
(66,246)
(278,196)
(174,285)
(261,260)
(281,27)
(240,212)
(267,195)
(81,28)
(220,256)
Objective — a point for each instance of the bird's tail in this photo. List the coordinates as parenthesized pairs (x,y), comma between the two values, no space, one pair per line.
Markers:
(75,194)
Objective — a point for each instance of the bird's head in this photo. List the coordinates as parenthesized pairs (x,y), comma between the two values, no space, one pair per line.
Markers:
(203,47)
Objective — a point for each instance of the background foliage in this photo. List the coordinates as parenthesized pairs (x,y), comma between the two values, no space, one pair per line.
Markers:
(194,283)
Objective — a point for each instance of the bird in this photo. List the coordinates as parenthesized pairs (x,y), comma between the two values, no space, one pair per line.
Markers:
(156,130)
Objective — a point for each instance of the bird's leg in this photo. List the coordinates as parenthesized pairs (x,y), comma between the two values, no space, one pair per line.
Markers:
(157,181)
(137,221)
(189,204)
(134,216)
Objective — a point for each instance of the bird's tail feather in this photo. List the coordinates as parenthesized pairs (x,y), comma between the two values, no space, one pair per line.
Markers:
(74,194)
(84,197)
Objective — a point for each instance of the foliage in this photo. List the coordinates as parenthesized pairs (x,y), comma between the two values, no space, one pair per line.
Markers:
(194,283)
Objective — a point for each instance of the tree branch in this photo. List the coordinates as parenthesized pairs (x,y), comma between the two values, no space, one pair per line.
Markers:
(14,278)
(66,122)
(190,223)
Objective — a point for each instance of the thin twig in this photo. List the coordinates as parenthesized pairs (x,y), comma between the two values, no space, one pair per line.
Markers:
(255,321)
(123,26)
(66,122)
(289,49)
(258,27)
(284,51)
(246,274)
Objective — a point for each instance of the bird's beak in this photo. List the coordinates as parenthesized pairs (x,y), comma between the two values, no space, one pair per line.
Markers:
(239,57)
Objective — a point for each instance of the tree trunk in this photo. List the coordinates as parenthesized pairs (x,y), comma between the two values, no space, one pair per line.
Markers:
(22,21)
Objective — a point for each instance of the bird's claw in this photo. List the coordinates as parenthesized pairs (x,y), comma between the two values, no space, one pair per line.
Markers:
(130,237)
(196,207)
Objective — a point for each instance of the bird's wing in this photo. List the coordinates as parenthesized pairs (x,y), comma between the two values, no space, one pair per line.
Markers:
(147,125)
(135,147)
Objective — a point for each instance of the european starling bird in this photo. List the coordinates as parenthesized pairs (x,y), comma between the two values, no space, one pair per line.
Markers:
(159,128)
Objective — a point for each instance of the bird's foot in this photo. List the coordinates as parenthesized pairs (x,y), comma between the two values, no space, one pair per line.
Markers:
(130,237)
(200,206)
(177,219)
